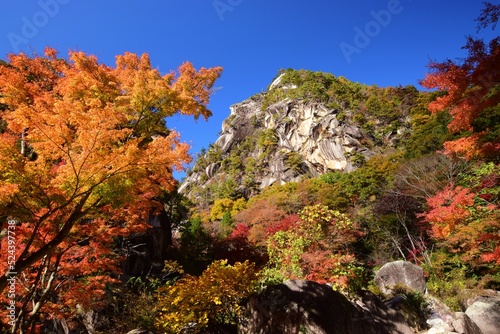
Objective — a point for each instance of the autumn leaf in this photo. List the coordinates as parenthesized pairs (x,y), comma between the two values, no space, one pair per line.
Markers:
(84,152)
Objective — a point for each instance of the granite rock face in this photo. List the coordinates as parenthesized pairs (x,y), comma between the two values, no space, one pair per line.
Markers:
(284,141)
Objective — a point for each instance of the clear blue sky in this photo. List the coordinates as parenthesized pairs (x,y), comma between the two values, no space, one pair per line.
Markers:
(383,42)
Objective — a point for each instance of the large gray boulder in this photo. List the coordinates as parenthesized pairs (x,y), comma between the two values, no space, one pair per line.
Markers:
(440,318)
(376,317)
(309,307)
(400,274)
(298,307)
(464,325)
(485,312)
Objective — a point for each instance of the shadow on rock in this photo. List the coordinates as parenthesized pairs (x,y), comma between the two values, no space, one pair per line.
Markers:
(308,307)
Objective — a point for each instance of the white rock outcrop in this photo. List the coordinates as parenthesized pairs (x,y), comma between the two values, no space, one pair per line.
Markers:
(310,130)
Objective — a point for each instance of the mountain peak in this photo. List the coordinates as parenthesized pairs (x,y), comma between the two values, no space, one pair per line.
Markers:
(306,123)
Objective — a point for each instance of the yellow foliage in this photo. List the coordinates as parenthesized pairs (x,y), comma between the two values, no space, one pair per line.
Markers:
(238,205)
(211,298)
(220,207)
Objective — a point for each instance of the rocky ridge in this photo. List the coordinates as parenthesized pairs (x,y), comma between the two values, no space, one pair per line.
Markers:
(281,136)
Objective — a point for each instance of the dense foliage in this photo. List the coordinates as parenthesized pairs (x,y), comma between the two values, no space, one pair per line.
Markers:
(432,199)
(472,95)
(211,299)
(86,155)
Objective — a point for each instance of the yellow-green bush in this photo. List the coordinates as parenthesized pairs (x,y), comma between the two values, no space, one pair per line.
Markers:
(211,299)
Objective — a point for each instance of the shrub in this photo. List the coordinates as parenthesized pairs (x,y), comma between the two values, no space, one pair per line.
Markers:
(209,301)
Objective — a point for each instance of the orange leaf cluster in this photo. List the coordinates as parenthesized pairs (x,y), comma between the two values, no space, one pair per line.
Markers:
(84,151)
(470,93)
(448,208)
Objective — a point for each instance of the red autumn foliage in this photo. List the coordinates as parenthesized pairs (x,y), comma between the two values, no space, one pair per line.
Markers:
(471,95)
(448,208)
(316,245)
(287,223)
(240,232)
(460,222)
(494,256)
(258,216)
(237,248)
(83,153)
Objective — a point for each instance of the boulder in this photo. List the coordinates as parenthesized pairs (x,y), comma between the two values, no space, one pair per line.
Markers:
(440,319)
(308,307)
(372,316)
(298,307)
(485,312)
(402,274)
(464,325)
(467,297)
(139,331)
(438,326)
(439,316)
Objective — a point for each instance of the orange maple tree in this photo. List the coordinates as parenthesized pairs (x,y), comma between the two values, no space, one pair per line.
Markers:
(84,148)
(464,222)
(448,209)
(471,94)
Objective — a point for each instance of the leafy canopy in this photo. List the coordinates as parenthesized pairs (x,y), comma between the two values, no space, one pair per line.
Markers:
(83,151)
(472,95)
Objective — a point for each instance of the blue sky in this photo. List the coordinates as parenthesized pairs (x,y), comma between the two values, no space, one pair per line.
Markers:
(383,42)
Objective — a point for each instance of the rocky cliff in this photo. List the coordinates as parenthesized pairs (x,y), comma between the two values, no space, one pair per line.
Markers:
(305,124)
